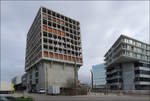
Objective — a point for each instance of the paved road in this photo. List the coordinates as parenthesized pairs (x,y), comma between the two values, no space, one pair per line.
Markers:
(43,97)
(91,98)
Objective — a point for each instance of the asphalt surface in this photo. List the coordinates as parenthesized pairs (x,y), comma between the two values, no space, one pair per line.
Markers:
(91,98)
(110,97)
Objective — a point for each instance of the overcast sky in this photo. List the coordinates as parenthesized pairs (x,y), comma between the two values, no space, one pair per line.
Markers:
(101,24)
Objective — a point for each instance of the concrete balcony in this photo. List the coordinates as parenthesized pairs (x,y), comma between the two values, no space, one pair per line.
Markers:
(142,68)
(122,58)
(116,83)
(114,77)
(62,61)
(142,75)
(116,52)
(113,71)
(142,83)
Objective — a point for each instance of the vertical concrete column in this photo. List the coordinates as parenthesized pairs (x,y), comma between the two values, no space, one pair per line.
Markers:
(45,74)
(128,76)
(51,64)
(92,78)
(75,74)
(64,64)
(28,81)
(46,65)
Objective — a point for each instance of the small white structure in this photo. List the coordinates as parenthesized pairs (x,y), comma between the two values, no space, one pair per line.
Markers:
(5,86)
(53,90)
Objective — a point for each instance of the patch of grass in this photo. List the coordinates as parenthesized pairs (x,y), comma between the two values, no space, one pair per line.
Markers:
(24,99)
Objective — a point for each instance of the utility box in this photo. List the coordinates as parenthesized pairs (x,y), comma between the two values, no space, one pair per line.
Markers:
(53,90)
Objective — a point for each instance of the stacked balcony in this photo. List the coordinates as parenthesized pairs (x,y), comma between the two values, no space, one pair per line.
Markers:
(126,48)
(53,36)
(61,37)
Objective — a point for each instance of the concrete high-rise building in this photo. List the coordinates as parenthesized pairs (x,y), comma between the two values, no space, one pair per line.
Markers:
(128,65)
(53,51)
(98,76)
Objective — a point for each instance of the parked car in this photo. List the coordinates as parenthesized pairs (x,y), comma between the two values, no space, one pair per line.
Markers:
(34,91)
(41,91)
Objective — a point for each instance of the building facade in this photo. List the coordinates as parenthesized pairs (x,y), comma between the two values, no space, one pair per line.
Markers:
(128,65)
(24,81)
(17,82)
(53,51)
(98,76)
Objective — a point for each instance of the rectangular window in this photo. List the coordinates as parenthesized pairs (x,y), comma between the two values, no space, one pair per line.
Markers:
(44,22)
(73,58)
(144,46)
(50,54)
(77,59)
(81,60)
(134,54)
(65,57)
(144,51)
(130,41)
(58,21)
(36,74)
(56,55)
(148,47)
(59,32)
(69,58)
(44,16)
(62,22)
(60,56)
(54,31)
(138,56)
(49,29)
(49,17)
(45,28)
(44,10)
(45,34)
(36,81)
(45,54)
(45,46)
(63,33)
(49,23)
(130,54)
(54,19)
(139,50)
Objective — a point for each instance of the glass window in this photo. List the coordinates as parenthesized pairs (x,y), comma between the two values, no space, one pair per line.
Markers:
(148,52)
(139,44)
(148,47)
(130,53)
(130,41)
(144,51)
(138,56)
(139,50)
(134,54)
(135,49)
(148,58)
(144,57)
(126,40)
(128,47)
(133,42)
